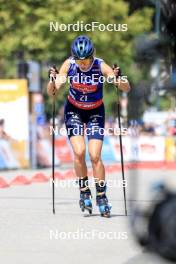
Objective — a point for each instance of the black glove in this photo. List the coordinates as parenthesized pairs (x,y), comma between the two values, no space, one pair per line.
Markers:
(119,73)
(52,73)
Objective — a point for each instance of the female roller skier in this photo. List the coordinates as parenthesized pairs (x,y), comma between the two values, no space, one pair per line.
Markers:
(85,113)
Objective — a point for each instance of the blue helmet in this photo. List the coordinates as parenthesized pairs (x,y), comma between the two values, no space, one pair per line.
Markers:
(82,47)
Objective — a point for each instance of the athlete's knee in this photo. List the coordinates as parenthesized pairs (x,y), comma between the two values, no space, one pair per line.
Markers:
(95,158)
(79,154)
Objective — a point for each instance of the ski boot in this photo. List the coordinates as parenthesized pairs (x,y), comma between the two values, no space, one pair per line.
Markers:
(86,202)
(104,206)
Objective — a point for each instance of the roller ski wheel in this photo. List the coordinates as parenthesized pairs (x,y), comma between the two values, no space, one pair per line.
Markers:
(104,207)
(86,202)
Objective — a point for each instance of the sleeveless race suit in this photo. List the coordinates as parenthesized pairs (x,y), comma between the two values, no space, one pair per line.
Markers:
(84,103)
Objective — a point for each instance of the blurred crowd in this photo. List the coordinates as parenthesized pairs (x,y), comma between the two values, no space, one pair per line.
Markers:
(168,128)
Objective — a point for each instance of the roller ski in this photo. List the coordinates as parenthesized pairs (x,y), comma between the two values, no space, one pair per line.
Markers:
(104,206)
(86,202)
(101,199)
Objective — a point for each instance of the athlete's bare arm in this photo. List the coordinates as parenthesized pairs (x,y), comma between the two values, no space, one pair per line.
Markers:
(61,78)
(108,72)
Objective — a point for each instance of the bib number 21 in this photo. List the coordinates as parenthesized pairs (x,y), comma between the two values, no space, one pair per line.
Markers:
(83,98)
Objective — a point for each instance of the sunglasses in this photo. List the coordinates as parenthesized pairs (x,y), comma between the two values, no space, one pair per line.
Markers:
(85,61)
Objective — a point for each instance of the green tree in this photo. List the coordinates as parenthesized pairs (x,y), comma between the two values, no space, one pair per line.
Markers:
(24,26)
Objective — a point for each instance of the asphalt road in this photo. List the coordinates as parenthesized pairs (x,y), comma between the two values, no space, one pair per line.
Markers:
(31,234)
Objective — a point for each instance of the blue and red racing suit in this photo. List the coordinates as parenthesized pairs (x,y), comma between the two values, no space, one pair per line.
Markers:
(84,104)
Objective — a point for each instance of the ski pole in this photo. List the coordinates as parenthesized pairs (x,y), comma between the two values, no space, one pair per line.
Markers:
(53,155)
(121,148)
(53,144)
